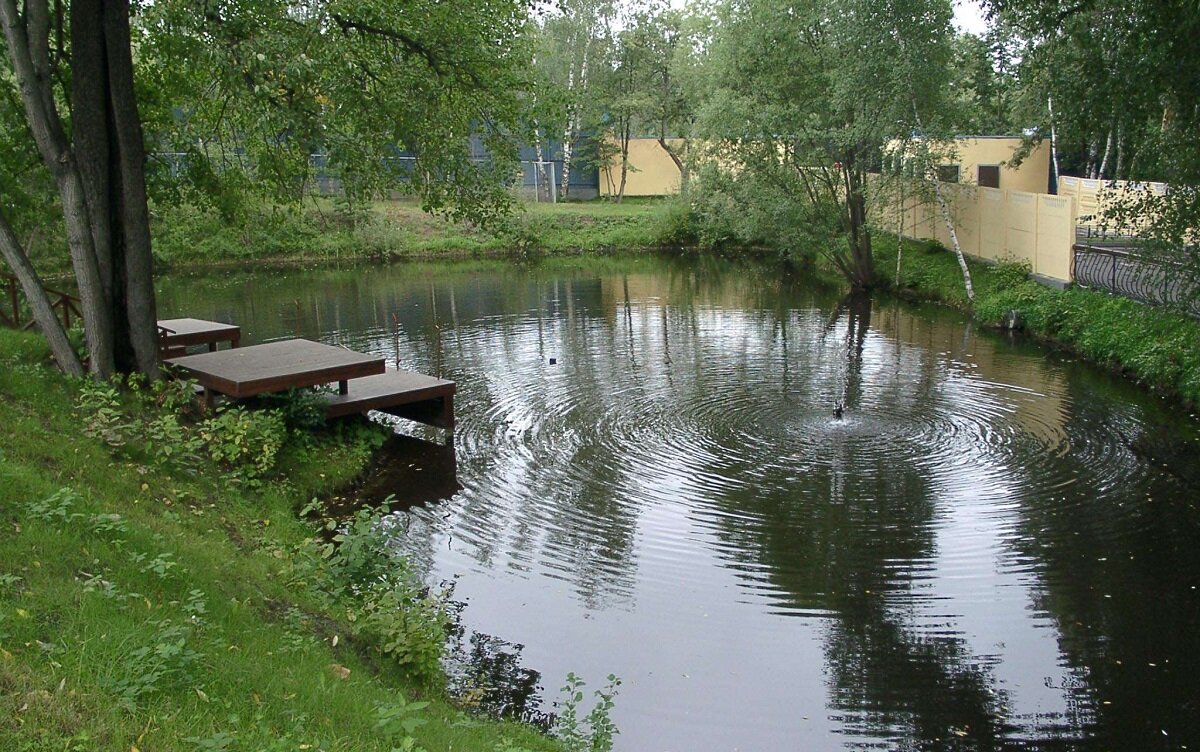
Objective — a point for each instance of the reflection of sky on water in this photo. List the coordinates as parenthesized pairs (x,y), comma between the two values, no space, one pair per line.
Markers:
(673,501)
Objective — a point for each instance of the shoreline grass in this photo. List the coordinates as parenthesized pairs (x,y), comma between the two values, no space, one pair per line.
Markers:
(186,237)
(143,607)
(1154,346)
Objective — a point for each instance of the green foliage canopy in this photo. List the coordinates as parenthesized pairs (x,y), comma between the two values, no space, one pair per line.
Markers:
(247,91)
(807,96)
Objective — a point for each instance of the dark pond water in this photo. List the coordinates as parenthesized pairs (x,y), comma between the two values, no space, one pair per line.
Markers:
(993,547)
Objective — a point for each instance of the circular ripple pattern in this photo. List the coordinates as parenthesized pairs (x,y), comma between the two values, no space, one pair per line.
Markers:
(750,440)
(787,520)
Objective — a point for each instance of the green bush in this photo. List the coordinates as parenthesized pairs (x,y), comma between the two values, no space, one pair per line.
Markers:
(247,442)
(385,603)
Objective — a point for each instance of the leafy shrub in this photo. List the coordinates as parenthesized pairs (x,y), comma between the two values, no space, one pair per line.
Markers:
(748,211)
(408,624)
(400,719)
(596,731)
(164,662)
(677,224)
(104,418)
(245,442)
(55,508)
(300,409)
(385,603)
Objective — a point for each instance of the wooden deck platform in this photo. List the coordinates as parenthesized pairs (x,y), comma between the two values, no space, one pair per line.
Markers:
(405,394)
(276,367)
(363,384)
(175,336)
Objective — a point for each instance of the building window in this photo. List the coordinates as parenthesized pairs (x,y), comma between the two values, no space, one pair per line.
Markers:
(948,173)
(989,176)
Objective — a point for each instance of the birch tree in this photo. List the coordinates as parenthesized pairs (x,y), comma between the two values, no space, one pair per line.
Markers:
(809,93)
(572,45)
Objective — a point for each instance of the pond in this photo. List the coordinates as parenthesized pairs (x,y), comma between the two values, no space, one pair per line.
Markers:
(785,520)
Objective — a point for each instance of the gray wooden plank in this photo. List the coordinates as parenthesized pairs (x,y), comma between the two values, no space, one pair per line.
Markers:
(188,331)
(276,366)
(388,390)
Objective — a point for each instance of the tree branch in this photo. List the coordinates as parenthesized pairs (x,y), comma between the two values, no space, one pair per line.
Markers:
(412,47)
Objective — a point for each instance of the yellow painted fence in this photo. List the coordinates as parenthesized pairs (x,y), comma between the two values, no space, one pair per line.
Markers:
(995,225)
(1093,196)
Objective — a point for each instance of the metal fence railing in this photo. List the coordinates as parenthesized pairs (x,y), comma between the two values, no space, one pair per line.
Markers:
(1120,264)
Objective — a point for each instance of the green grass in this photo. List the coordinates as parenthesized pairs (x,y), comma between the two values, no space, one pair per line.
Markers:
(188,236)
(1155,346)
(146,609)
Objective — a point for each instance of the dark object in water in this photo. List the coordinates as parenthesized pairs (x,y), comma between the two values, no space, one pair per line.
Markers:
(838,409)
(553,361)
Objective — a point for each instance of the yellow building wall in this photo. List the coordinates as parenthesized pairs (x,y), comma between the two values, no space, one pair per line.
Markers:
(652,172)
(964,208)
(1032,176)
(1021,229)
(993,225)
(1091,198)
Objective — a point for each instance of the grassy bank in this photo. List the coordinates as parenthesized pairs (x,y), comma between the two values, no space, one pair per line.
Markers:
(159,589)
(1155,346)
(399,229)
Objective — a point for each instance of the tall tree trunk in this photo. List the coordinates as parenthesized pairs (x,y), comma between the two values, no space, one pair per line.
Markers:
(28,45)
(128,187)
(1120,166)
(625,135)
(859,236)
(100,178)
(1053,142)
(680,161)
(1102,171)
(931,175)
(541,162)
(1092,154)
(949,220)
(573,120)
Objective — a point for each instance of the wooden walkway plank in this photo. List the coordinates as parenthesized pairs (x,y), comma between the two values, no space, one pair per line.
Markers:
(276,367)
(403,393)
(176,335)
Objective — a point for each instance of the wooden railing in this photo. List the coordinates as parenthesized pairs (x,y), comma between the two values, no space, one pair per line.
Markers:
(12,313)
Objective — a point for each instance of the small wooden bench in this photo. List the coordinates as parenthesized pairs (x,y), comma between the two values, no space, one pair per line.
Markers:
(404,394)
